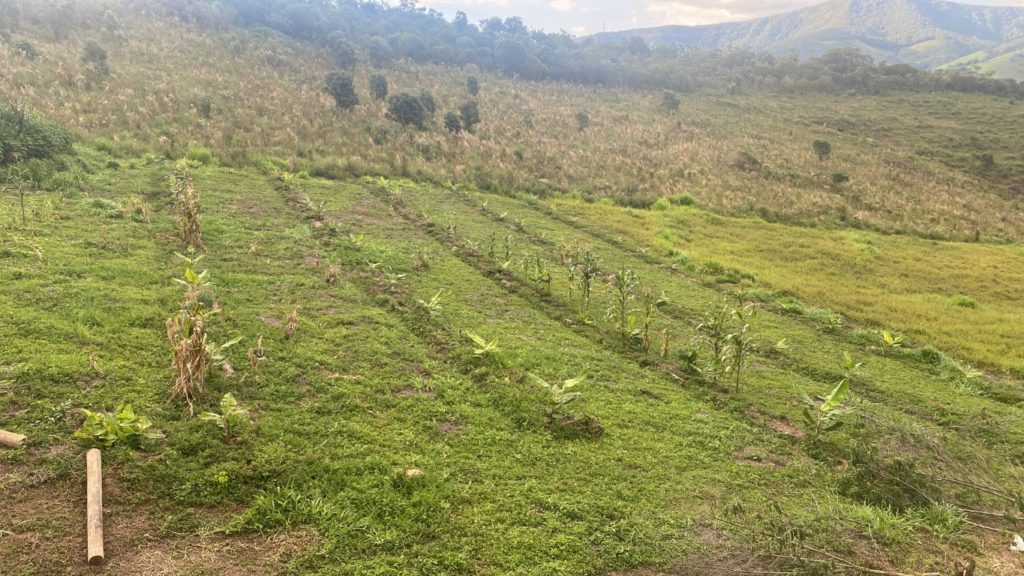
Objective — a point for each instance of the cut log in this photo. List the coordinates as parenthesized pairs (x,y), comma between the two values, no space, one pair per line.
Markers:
(94,505)
(10,439)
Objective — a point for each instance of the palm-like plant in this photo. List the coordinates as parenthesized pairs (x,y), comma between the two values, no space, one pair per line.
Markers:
(560,395)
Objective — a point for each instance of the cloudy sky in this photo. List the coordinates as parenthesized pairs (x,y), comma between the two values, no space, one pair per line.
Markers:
(587,16)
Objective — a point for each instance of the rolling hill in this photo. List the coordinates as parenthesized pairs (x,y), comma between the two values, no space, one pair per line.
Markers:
(925,33)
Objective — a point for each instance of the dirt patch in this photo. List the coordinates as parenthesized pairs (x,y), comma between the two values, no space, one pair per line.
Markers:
(42,533)
(784,427)
(720,555)
(753,456)
(448,428)
(271,321)
(410,392)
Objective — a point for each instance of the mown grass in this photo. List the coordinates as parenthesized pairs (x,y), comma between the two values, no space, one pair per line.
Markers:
(960,297)
(371,386)
(914,163)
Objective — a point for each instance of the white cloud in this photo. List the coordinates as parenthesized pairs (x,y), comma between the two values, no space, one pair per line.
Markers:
(711,11)
(563,5)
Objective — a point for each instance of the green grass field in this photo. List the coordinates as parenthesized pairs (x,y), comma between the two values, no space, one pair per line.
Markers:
(372,385)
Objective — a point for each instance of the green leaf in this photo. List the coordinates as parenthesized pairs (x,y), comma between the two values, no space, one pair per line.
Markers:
(836,397)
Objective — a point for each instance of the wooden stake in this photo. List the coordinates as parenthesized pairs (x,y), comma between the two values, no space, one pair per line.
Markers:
(10,439)
(94,505)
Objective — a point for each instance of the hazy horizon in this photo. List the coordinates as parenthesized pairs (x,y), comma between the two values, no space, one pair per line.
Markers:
(582,17)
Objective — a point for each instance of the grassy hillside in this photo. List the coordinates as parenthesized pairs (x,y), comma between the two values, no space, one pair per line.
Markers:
(372,385)
(404,299)
(912,161)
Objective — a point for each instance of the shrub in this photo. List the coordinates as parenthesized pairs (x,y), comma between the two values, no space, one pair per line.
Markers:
(682,200)
(203,107)
(94,57)
(473,86)
(822,148)
(745,161)
(669,101)
(407,110)
(24,136)
(470,114)
(428,102)
(661,205)
(379,87)
(582,120)
(452,123)
(965,301)
(340,86)
(27,50)
(201,155)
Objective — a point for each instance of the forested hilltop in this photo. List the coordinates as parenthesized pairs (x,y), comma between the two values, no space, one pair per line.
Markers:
(384,33)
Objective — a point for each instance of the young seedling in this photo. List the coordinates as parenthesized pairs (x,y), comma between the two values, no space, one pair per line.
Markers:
(824,415)
(561,396)
(649,303)
(293,324)
(742,341)
(123,426)
(713,334)
(16,177)
(433,306)
(231,415)
(256,355)
(892,340)
(624,286)
(485,349)
(583,271)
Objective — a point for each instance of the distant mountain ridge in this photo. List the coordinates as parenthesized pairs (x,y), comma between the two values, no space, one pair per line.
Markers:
(926,33)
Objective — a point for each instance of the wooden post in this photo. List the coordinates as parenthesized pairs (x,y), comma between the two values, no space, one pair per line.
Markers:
(94,505)
(10,439)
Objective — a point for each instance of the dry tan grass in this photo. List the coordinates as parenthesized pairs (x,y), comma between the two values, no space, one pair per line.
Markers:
(267,98)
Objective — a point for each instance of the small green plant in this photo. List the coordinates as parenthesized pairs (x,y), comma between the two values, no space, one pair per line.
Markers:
(561,396)
(582,272)
(485,349)
(433,306)
(231,415)
(123,426)
(649,303)
(713,336)
(538,271)
(624,287)
(824,415)
(742,341)
(892,340)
